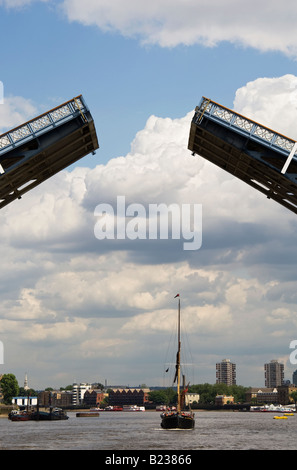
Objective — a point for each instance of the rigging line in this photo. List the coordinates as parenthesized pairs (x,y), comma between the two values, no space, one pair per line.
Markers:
(187,352)
(169,350)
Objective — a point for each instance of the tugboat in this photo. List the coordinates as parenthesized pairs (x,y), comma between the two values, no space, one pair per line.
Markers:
(34,414)
(178,419)
(54,414)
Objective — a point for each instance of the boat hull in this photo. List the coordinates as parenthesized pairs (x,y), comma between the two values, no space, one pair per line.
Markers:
(44,416)
(55,415)
(177,421)
(19,417)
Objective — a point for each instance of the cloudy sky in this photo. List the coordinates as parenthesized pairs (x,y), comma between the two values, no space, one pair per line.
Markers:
(76,308)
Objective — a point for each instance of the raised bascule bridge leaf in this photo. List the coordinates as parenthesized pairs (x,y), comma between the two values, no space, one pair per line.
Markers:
(38,149)
(257,155)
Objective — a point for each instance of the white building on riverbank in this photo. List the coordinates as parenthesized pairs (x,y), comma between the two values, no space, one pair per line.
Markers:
(23,401)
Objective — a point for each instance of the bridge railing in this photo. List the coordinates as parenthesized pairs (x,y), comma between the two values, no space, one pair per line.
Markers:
(42,123)
(242,124)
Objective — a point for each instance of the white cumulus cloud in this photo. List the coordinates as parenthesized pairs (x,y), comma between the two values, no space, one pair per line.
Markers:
(261,25)
(271,101)
(14,111)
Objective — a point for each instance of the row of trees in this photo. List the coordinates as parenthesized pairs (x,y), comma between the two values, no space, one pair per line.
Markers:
(207,393)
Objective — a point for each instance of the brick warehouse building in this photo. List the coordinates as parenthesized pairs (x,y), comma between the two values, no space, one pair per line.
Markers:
(94,397)
(128,396)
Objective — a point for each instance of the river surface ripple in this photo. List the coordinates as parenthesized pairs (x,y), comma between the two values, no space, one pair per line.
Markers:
(141,431)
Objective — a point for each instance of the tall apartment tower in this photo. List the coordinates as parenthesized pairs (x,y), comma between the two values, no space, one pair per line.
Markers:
(226,372)
(274,374)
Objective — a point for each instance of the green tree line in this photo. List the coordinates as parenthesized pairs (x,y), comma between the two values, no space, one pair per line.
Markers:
(207,393)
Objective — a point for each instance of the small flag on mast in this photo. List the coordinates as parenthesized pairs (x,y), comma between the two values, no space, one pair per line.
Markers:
(177,295)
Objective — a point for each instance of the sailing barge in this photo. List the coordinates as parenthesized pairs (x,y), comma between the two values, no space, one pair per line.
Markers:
(178,419)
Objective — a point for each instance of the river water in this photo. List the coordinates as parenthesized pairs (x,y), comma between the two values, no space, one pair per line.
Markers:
(129,431)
